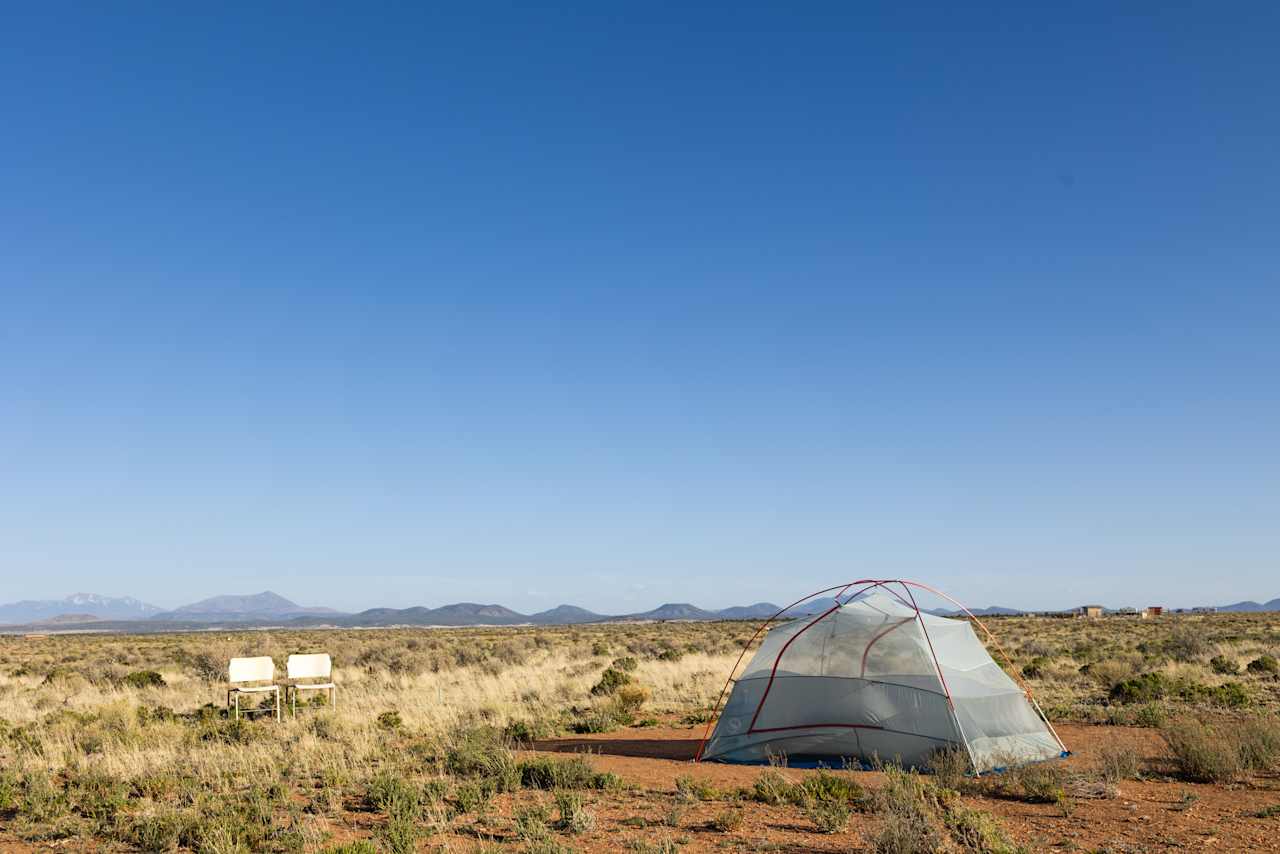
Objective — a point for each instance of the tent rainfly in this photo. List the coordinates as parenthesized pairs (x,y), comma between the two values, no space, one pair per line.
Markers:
(874,677)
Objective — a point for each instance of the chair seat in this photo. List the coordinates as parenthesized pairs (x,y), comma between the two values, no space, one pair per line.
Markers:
(261,689)
(306,685)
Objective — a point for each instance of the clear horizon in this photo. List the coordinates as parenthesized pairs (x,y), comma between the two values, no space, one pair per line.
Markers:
(777,600)
(622,307)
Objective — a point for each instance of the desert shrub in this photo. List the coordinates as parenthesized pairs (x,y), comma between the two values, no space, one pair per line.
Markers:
(1034,669)
(772,788)
(1201,754)
(471,797)
(1223,666)
(96,796)
(728,820)
(665,845)
(828,788)
(479,752)
(1265,665)
(828,816)
(626,664)
(358,847)
(1117,763)
(531,823)
(689,788)
(159,830)
(909,823)
(575,817)
(575,773)
(627,701)
(393,795)
(976,831)
(144,679)
(1140,689)
(527,731)
(41,801)
(1186,645)
(400,835)
(1035,782)
(389,720)
(950,767)
(1230,695)
(204,665)
(10,790)
(595,721)
(610,681)
(1108,672)
(1258,742)
(698,716)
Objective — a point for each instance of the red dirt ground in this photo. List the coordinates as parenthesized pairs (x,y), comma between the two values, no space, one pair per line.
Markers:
(1156,814)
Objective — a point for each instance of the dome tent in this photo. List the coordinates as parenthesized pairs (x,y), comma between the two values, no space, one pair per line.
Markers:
(872,677)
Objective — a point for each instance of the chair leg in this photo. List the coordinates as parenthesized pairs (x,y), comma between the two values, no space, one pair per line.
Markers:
(279,715)
(237,705)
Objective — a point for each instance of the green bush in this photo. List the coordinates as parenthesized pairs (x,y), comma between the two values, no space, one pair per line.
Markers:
(575,817)
(393,795)
(828,816)
(390,721)
(575,773)
(479,752)
(1141,689)
(358,847)
(471,797)
(1265,665)
(1201,753)
(828,788)
(729,820)
(1223,666)
(144,679)
(160,830)
(1231,695)
(610,681)
(772,788)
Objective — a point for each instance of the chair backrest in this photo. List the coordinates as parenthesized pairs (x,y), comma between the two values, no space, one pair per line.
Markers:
(260,669)
(315,666)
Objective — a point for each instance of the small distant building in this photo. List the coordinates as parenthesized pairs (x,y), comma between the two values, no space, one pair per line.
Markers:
(1154,611)
(1204,609)
(1127,612)
(1091,612)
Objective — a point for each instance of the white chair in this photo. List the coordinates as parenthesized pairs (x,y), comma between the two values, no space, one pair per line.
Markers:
(315,666)
(245,676)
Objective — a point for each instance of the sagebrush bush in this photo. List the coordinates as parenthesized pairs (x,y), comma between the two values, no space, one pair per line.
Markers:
(144,679)
(1118,762)
(575,817)
(1202,754)
(1265,665)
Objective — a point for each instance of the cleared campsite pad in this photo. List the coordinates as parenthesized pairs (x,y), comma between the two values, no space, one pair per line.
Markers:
(465,740)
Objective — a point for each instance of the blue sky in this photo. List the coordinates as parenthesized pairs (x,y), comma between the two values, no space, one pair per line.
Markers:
(620,304)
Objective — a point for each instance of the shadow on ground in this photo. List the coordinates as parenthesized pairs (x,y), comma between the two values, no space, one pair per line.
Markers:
(646,748)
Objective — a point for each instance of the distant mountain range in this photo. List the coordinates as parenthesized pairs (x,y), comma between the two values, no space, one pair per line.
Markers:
(1273,605)
(89,604)
(265,605)
(89,611)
